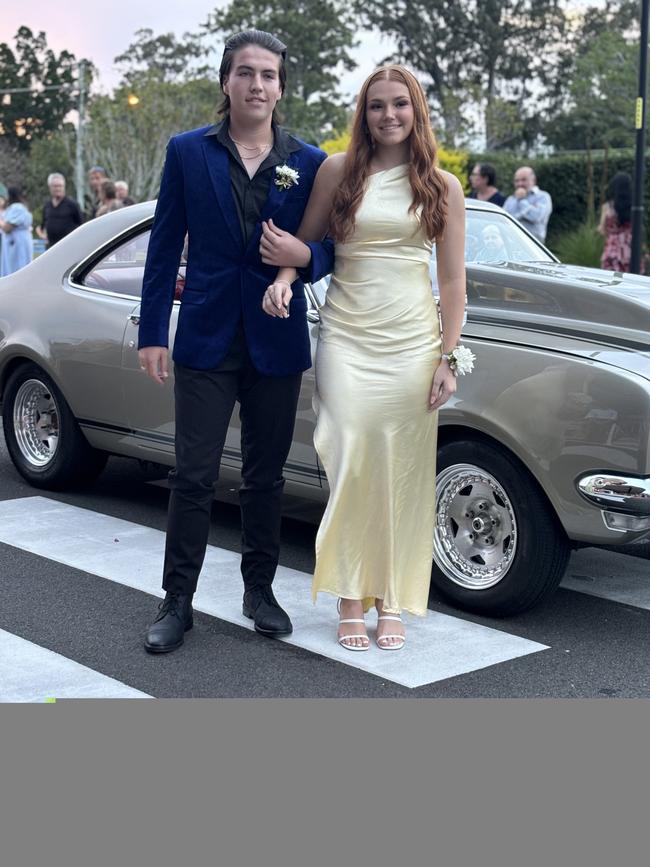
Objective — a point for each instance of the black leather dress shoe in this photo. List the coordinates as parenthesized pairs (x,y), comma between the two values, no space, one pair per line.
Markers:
(175,617)
(261,606)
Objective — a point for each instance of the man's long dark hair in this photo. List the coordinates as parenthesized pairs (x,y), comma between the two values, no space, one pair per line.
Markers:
(240,40)
(619,193)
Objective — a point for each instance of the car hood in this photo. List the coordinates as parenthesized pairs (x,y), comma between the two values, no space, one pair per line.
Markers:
(630,285)
(587,303)
(579,311)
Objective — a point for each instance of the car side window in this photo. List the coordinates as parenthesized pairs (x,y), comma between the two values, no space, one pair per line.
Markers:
(121,270)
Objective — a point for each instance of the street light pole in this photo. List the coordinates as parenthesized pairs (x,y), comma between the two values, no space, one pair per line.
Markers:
(81,109)
(639,169)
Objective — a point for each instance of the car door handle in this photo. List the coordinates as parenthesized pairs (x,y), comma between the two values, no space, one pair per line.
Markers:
(134,319)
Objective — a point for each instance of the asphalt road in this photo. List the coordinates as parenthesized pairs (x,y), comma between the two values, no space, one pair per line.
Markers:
(594,647)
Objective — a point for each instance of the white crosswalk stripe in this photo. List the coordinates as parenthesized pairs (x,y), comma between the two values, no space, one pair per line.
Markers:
(438,647)
(609,576)
(29,673)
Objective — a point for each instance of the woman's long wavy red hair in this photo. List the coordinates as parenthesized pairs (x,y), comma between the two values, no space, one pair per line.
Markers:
(428,185)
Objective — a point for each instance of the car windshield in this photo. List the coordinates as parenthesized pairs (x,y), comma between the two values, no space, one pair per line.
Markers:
(491,238)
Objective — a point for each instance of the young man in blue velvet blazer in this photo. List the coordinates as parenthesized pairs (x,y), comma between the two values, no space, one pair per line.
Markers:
(218,184)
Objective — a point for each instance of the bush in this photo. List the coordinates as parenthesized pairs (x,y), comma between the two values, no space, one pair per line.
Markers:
(337,145)
(582,246)
(454,162)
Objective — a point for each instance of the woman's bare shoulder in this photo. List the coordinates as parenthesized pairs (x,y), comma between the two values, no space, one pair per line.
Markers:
(331,169)
(452,181)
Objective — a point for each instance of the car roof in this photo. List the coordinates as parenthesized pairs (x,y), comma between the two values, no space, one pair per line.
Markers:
(476,204)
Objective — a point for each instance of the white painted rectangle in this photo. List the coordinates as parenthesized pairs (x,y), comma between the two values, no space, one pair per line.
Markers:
(29,673)
(438,646)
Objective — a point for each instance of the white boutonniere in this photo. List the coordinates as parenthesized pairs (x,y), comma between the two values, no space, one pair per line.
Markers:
(461,360)
(286,177)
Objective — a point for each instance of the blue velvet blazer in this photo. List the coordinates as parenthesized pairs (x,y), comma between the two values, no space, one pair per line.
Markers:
(225,278)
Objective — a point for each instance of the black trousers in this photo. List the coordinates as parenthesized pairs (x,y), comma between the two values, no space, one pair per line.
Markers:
(204,402)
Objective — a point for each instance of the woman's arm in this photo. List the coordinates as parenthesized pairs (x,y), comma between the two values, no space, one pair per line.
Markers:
(451,266)
(603,215)
(278,247)
(6,227)
(452,287)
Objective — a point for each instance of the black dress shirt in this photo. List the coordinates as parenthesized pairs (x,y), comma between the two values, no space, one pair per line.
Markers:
(250,194)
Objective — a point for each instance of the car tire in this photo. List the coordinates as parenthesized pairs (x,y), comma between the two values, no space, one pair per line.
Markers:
(43,438)
(498,546)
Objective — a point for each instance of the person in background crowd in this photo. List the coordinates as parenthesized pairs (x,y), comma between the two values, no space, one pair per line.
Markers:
(616,225)
(96,175)
(528,204)
(483,180)
(16,228)
(61,214)
(108,200)
(122,191)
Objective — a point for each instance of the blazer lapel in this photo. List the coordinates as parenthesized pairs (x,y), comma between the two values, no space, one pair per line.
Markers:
(277,195)
(216,158)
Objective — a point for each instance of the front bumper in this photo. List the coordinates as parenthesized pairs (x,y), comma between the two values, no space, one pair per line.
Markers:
(625,500)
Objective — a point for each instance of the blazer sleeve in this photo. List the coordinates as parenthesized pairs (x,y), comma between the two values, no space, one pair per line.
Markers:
(321,262)
(164,254)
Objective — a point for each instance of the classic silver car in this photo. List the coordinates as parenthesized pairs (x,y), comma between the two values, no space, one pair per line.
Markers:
(545,447)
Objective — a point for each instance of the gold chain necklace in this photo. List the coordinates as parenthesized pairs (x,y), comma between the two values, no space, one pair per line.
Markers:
(259,148)
(255,156)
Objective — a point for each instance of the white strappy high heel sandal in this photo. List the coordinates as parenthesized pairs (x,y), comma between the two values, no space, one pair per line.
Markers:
(402,638)
(343,638)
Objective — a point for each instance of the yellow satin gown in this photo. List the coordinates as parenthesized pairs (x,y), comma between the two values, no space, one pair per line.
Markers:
(378,348)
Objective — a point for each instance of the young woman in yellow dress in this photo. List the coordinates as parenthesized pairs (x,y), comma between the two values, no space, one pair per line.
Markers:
(383,369)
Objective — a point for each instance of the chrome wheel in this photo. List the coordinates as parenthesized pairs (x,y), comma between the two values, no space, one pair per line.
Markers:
(36,423)
(475,538)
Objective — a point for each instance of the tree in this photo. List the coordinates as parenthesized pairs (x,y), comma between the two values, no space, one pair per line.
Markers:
(319,35)
(481,55)
(51,153)
(12,164)
(130,141)
(599,109)
(44,85)
(162,58)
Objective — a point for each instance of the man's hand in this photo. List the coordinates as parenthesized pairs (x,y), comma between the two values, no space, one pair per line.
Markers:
(443,386)
(281,248)
(276,299)
(153,360)
(42,234)
(520,193)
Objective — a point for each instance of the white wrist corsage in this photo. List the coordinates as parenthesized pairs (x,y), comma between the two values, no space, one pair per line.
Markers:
(461,360)
(286,177)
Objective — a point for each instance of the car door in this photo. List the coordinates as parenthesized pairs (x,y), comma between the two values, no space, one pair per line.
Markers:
(105,296)
(149,406)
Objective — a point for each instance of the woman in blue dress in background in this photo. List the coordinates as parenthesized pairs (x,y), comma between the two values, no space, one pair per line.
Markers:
(16,227)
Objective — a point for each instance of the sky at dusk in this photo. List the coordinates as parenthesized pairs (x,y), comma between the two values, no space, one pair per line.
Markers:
(102,31)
